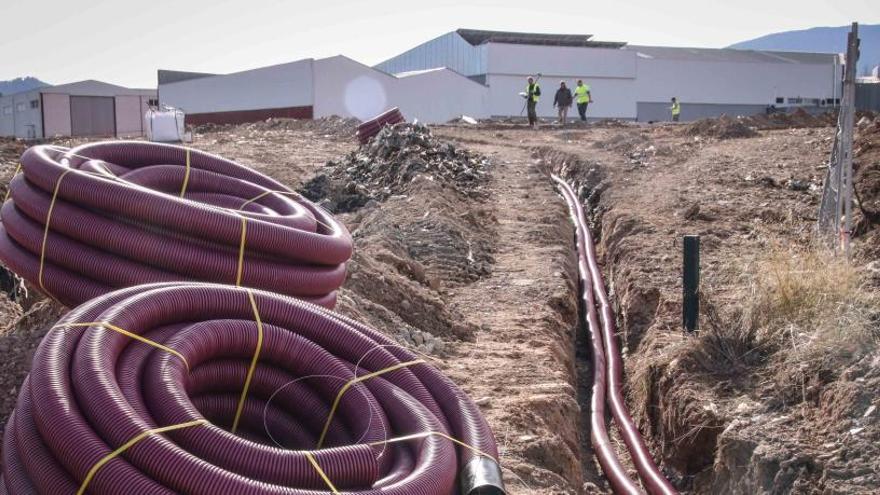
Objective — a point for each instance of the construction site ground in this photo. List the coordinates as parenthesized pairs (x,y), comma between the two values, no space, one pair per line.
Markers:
(480,276)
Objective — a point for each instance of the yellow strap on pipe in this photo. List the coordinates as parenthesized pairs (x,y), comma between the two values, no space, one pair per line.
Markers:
(416,436)
(250,373)
(185,174)
(17,170)
(127,445)
(241,244)
(354,381)
(256,198)
(283,193)
(321,472)
(46,233)
(127,334)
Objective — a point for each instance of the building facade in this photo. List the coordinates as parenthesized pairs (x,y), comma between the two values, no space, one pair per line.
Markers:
(314,88)
(85,108)
(629,82)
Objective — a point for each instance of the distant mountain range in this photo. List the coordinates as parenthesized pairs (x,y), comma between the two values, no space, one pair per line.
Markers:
(822,39)
(20,84)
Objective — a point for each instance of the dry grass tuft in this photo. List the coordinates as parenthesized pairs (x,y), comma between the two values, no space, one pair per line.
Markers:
(807,314)
(810,305)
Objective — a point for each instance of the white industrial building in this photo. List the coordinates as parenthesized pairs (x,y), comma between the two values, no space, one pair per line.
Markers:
(629,82)
(313,88)
(85,108)
(481,73)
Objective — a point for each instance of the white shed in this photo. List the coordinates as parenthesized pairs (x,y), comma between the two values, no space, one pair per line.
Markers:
(85,108)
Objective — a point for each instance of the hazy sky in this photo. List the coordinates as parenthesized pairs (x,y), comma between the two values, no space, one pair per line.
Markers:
(124,42)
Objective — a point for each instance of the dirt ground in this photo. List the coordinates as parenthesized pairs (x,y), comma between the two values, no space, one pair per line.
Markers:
(485,284)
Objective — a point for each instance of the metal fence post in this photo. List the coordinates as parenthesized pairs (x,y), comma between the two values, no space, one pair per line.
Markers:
(690,308)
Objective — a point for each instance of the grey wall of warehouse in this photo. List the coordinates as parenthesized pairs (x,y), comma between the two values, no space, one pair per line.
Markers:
(659,111)
(868,96)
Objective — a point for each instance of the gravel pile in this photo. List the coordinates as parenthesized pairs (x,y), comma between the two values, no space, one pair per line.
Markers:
(389,163)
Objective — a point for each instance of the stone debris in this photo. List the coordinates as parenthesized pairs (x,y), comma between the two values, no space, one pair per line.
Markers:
(389,163)
(325,126)
(421,341)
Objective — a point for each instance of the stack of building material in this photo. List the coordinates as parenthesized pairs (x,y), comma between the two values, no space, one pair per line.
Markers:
(86,221)
(206,389)
(372,127)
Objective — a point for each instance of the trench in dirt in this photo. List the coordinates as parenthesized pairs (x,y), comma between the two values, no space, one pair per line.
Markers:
(488,287)
(549,381)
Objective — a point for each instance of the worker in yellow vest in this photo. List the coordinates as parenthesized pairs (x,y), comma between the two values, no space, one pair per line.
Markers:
(676,109)
(582,97)
(533,94)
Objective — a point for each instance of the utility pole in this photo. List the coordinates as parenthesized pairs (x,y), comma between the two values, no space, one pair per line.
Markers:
(847,121)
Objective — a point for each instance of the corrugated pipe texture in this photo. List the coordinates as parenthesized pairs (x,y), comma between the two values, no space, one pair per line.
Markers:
(139,391)
(608,370)
(85,221)
(370,128)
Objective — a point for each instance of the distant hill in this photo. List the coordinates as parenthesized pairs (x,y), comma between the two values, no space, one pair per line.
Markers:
(822,39)
(20,84)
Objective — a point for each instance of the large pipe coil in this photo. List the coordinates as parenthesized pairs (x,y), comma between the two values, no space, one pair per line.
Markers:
(85,221)
(140,390)
(608,370)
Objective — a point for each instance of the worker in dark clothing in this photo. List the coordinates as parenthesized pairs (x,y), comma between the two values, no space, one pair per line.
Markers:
(562,101)
(533,94)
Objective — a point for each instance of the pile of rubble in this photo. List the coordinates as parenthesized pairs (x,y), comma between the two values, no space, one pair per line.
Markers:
(325,126)
(723,127)
(389,163)
(796,119)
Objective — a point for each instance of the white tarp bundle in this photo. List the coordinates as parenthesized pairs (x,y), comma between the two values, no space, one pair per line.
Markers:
(164,124)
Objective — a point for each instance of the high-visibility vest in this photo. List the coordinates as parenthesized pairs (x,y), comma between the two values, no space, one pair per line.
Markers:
(531,89)
(676,108)
(583,93)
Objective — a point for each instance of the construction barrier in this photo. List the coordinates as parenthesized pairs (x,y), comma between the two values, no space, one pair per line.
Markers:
(82,222)
(211,389)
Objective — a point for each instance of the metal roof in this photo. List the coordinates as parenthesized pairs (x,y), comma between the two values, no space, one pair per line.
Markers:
(479,37)
(730,55)
(172,76)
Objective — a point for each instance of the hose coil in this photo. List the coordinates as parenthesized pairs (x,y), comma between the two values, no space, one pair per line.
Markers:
(162,373)
(86,221)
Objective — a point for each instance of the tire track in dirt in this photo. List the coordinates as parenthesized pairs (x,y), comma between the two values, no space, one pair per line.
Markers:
(522,367)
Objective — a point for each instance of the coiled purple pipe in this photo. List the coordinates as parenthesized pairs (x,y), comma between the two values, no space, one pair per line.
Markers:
(92,389)
(370,128)
(120,219)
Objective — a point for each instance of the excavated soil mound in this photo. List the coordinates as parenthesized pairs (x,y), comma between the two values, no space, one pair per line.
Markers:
(866,162)
(19,338)
(795,119)
(325,126)
(723,127)
(10,151)
(390,162)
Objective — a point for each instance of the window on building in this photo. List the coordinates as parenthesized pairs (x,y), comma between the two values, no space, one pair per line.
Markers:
(153,102)
(780,100)
(7,110)
(35,103)
(21,107)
